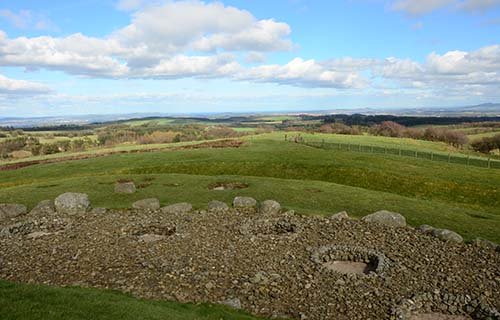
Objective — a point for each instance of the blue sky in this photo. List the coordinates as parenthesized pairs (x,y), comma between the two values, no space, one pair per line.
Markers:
(119,56)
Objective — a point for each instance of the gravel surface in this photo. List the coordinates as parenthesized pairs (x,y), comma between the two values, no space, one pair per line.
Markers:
(266,264)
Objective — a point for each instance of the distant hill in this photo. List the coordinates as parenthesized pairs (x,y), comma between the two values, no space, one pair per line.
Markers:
(481,110)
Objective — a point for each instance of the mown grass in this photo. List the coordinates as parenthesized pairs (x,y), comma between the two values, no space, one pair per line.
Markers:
(310,180)
(23,301)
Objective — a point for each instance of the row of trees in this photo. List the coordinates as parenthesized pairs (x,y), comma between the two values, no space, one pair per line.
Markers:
(487,144)
(393,129)
(32,146)
(117,135)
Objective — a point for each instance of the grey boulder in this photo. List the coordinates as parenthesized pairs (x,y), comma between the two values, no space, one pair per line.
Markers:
(447,235)
(72,203)
(44,207)
(11,210)
(388,218)
(125,187)
(270,207)
(147,204)
(217,206)
(244,202)
(182,207)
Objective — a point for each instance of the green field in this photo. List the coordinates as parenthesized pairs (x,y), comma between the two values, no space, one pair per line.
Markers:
(22,301)
(308,180)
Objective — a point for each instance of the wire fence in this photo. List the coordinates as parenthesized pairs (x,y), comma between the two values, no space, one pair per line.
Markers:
(434,156)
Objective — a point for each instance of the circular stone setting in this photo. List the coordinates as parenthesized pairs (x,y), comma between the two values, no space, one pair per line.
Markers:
(444,306)
(351,260)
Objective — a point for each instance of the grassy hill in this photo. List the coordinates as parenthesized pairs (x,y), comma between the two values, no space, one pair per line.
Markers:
(308,180)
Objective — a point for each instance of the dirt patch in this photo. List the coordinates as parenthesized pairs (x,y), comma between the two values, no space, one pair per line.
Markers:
(437,316)
(347,267)
(218,186)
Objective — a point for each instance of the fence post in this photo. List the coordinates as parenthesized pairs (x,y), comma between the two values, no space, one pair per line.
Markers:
(489,162)
(449,157)
(416,154)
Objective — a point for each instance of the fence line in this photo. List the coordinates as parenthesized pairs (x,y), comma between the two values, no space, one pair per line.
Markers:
(433,156)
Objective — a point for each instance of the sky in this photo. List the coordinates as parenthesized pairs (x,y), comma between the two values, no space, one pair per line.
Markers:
(64,57)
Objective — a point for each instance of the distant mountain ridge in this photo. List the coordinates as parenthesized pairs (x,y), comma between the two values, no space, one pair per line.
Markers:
(485,109)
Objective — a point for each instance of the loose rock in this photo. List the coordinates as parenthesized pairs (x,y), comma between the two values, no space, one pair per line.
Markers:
(177,208)
(340,216)
(11,210)
(270,207)
(447,235)
(44,207)
(217,206)
(244,202)
(388,218)
(125,187)
(72,203)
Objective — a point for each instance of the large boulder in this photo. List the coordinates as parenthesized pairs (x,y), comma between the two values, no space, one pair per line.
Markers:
(44,207)
(447,235)
(217,206)
(270,207)
(147,204)
(244,202)
(125,187)
(388,218)
(182,207)
(11,210)
(72,203)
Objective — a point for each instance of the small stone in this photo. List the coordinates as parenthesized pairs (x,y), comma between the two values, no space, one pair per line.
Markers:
(425,228)
(148,238)
(234,303)
(37,234)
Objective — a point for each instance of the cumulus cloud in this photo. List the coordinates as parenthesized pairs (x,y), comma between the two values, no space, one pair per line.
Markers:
(15,87)
(195,25)
(305,73)
(475,72)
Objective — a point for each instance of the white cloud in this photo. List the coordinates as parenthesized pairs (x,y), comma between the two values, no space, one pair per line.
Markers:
(14,87)
(418,7)
(26,19)
(194,25)
(421,7)
(305,73)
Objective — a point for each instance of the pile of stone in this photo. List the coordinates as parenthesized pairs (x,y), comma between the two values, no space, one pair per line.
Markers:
(251,255)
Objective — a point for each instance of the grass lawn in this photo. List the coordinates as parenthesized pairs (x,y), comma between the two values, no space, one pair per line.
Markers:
(23,301)
(309,180)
